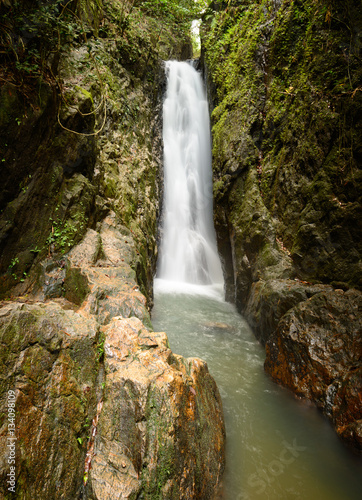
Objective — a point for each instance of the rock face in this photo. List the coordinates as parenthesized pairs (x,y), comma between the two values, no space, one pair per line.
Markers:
(287,177)
(161,430)
(316,352)
(103,407)
(49,358)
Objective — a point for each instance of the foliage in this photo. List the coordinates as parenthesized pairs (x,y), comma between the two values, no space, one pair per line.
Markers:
(30,36)
(182,11)
(64,233)
(33,36)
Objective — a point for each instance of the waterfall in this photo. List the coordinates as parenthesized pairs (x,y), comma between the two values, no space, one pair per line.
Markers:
(188,251)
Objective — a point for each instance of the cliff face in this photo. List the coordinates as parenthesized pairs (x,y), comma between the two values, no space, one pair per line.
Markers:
(102,404)
(80,129)
(285,81)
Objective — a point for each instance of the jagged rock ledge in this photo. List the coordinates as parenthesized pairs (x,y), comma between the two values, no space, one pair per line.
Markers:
(104,409)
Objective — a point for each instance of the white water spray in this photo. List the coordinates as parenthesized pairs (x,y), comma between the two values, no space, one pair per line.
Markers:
(188,252)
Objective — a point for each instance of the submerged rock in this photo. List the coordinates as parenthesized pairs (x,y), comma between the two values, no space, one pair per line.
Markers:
(217,325)
(316,352)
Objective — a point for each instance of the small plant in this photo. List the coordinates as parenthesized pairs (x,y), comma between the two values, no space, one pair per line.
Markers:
(12,265)
(64,233)
(100,346)
(100,349)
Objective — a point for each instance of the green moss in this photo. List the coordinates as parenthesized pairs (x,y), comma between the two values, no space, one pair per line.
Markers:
(76,286)
(286,82)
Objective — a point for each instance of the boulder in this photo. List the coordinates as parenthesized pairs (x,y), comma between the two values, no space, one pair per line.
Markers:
(270,300)
(161,431)
(316,352)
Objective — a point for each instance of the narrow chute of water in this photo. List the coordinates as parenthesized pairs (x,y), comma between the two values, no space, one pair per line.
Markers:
(188,253)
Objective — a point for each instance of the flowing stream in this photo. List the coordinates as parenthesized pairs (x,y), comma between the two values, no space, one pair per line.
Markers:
(277,446)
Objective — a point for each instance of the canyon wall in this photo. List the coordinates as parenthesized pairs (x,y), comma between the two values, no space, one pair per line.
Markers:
(284,80)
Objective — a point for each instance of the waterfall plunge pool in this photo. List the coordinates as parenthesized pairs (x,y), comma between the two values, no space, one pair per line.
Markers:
(277,447)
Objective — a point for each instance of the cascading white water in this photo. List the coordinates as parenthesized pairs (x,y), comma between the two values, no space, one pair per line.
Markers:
(188,252)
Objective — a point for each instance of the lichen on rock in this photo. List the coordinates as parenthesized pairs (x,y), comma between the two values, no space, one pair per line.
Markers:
(49,358)
(103,388)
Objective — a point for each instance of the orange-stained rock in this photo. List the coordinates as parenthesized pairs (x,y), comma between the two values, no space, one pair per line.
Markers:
(161,430)
(316,352)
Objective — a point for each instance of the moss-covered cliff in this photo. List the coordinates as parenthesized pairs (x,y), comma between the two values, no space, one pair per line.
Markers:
(286,121)
(285,78)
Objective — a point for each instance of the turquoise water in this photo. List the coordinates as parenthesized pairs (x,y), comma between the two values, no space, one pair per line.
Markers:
(278,447)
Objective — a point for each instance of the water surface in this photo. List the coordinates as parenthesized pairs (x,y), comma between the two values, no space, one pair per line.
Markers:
(278,447)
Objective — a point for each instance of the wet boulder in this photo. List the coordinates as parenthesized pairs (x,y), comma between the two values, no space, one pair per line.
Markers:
(316,352)
(269,300)
(161,432)
(103,407)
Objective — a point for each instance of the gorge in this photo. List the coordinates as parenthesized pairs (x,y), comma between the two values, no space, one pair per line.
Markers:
(104,408)
(271,447)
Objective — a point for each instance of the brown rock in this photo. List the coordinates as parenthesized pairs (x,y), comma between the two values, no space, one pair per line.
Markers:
(317,353)
(100,277)
(161,429)
(270,300)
